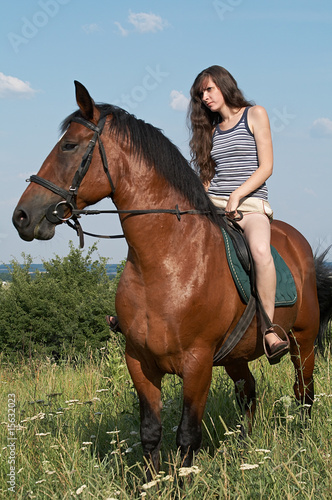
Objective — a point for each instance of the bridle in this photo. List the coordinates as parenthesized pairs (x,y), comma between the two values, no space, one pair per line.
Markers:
(56,212)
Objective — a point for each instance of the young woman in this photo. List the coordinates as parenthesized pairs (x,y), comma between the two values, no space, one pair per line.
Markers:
(231,147)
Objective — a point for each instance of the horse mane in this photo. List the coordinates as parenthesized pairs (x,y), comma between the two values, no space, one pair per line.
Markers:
(149,143)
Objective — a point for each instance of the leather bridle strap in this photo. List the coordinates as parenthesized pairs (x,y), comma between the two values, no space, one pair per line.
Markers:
(70,195)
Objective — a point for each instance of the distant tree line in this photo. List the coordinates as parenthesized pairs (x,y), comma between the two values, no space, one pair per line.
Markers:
(59,312)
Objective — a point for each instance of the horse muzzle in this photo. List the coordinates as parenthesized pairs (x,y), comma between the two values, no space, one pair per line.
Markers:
(33,227)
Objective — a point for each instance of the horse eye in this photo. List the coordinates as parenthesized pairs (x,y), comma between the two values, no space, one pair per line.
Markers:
(68,146)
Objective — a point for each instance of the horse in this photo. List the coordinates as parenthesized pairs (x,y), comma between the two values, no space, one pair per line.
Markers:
(176,301)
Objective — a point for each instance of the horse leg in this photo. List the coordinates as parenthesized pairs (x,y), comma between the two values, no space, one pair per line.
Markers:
(303,358)
(245,391)
(196,384)
(148,386)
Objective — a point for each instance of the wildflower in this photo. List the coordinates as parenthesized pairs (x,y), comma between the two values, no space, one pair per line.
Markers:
(168,478)
(229,433)
(128,450)
(112,432)
(185,471)
(80,489)
(87,442)
(149,485)
(286,401)
(248,466)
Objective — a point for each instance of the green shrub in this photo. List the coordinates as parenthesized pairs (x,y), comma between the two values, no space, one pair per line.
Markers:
(61,311)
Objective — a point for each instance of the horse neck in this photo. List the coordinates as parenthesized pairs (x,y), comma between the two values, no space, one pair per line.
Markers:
(140,187)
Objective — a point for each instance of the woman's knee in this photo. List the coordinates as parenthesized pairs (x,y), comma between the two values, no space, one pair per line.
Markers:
(261,253)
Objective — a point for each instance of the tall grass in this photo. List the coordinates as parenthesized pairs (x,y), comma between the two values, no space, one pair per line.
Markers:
(77,435)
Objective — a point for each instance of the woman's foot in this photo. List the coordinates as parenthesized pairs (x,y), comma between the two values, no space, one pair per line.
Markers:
(275,348)
(113,323)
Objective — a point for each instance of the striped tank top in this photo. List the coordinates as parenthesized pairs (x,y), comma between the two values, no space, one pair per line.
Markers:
(234,152)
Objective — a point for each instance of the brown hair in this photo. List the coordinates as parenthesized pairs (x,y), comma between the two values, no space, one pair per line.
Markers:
(202,121)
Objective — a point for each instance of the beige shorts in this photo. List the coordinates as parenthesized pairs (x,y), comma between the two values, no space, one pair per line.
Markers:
(249,205)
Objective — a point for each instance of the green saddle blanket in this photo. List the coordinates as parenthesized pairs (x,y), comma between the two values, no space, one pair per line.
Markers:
(286,294)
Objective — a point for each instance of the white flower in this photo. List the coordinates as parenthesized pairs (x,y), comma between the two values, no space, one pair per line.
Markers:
(248,466)
(80,490)
(185,471)
(149,485)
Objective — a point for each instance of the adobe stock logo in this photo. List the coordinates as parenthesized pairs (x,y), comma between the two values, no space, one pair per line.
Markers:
(30,27)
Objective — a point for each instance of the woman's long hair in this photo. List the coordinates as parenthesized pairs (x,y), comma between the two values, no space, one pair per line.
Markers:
(202,121)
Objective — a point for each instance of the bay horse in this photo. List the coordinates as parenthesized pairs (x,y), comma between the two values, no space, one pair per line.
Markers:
(176,301)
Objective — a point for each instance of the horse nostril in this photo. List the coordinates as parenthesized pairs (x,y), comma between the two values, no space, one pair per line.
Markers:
(20,218)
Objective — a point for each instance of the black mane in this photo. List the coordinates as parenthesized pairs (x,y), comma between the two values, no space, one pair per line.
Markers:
(149,143)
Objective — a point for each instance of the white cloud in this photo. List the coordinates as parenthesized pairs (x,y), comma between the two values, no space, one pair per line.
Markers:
(122,31)
(143,23)
(322,127)
(179,102)
(310,192)
(91,28)
(10,86)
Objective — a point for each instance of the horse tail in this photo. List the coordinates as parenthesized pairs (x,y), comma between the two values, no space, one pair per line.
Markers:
(324,292)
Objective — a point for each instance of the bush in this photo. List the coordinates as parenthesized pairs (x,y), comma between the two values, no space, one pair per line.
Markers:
(59,312)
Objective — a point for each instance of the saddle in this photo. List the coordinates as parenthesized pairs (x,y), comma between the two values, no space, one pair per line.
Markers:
(242,269)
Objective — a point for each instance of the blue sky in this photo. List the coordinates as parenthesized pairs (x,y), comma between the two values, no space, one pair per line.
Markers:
(144,56)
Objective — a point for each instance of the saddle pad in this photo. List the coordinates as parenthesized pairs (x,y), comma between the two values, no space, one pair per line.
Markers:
(286,294)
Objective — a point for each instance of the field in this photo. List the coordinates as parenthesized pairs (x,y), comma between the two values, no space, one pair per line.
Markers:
(71,430)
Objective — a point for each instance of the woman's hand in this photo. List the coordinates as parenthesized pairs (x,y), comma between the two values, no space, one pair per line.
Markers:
(232,205)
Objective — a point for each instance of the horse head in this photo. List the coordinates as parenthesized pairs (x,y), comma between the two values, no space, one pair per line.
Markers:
(72,176)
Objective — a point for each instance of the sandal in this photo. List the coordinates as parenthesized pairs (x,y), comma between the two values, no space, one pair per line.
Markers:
(278,349)
(113,323)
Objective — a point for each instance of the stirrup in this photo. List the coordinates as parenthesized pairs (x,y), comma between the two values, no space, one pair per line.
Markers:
(283,348)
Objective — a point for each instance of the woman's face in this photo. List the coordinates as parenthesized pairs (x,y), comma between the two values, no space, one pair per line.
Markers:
(211,96)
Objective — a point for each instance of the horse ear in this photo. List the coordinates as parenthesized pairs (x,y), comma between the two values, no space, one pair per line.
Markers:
(84,101)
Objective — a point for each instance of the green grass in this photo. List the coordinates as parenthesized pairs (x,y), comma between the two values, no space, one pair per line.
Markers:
(77,435)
